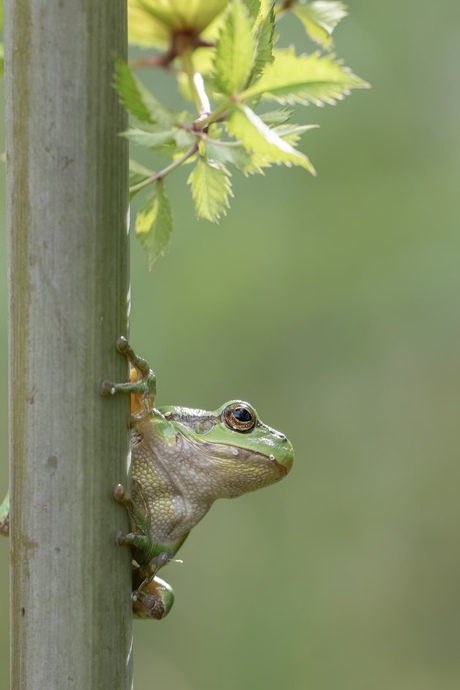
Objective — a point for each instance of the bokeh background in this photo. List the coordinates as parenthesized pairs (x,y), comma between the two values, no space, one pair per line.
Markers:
(332,304)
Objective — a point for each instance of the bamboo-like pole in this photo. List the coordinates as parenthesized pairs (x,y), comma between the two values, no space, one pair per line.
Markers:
(68,295)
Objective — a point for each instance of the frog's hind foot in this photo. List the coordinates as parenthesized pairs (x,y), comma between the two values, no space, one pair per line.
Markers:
(152,597)
(153,600)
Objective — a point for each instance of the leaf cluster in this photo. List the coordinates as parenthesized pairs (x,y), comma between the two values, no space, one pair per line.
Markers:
(225,60)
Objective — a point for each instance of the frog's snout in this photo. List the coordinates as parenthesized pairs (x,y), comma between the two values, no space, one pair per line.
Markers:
(285,458)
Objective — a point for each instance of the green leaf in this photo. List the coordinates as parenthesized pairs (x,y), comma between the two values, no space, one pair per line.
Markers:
(211,189)
(234,50)
(265,143)
(305,79)
(232,153)
(320,19)
(149,139)
(264,40)
(277,117)
(137,173)
(2,60)
(292,133)
(183,139)
(253,7)
(154,223)
(138,100)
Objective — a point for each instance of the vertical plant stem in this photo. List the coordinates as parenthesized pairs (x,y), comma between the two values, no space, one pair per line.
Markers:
(68,293)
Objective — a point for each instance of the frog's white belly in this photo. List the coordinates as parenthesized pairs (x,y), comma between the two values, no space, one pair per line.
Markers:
(172,493)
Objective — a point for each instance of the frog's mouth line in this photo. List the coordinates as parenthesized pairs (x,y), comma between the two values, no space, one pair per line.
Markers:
(283,469)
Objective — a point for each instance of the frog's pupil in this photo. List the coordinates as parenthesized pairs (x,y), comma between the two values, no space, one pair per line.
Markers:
(242,414)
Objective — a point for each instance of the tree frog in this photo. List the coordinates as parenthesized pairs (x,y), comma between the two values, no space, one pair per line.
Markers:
(182,461)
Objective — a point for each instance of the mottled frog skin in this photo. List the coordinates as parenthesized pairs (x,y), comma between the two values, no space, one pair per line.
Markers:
(184,459)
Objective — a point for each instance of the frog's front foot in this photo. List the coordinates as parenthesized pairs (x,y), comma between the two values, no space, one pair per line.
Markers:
(141,365)
(142,384)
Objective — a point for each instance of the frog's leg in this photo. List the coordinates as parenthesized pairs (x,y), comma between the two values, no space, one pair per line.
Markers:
(149,553)
(5,516)
(152,597)
(142,384)
(145,548)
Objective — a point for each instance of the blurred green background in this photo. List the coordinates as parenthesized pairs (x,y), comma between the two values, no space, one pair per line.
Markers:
(332,304)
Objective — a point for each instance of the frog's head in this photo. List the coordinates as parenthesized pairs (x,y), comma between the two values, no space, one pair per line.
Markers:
(234,451)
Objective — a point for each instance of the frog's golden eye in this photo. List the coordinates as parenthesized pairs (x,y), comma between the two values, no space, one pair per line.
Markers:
(240,417)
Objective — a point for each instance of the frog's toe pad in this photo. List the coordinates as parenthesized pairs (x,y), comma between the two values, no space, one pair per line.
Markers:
(108,388)
(123,345)
(120,538)
(119,493)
